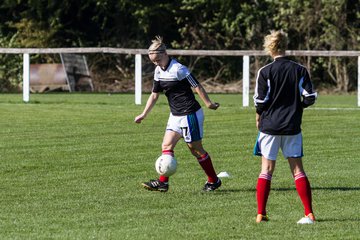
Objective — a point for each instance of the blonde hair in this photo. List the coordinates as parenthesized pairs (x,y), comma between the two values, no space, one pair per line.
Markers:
(276,42)
(157,45)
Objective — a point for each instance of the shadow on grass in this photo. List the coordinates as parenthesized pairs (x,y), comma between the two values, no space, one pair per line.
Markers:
(337,219)
(224,190)
(321,188)
(337,188)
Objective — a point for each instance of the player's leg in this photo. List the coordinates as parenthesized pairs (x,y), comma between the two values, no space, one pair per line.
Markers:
(267,146)
(171,137)
(303,188)
(263,187)
(169,142)
(204,159)
(168,145)
(292,147)
(192,130)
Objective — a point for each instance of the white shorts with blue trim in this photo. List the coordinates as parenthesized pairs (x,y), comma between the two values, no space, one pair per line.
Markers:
(190,127)
(268,146)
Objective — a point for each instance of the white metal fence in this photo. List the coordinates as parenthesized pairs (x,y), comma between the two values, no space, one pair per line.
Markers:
(245,54)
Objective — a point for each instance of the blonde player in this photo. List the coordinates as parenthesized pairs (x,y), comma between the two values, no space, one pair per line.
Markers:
(283,89)
(186,115)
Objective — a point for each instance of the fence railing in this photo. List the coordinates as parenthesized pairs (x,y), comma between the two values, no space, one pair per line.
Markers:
(245,54)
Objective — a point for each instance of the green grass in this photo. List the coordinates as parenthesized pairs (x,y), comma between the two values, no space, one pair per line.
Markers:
(71,167)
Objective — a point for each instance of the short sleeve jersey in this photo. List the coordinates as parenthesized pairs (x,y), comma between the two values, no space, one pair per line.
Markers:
(176,82)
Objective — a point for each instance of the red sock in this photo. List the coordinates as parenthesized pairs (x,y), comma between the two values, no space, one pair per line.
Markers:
(262,192)
(304,190)
(163,179)
(166,152)
(206,164)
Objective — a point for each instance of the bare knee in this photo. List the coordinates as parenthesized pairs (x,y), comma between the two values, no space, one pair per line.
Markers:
(267,166)
(196,149)
(194,152)
(170,140)
(296,165)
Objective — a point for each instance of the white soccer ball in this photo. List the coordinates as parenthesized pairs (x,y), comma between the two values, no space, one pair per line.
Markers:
(166,165)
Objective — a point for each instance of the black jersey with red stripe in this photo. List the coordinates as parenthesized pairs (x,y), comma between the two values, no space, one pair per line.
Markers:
(176,82)
(283,89)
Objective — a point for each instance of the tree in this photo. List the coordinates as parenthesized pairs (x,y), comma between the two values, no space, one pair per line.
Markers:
(220,24)
(322,25)
(185,24)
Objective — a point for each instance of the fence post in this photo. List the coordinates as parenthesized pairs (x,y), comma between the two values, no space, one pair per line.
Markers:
(26,77)
(138,73)
(246,80)
(358,81)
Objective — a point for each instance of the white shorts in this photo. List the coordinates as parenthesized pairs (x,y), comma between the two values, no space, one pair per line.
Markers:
(190,127)
(268,146)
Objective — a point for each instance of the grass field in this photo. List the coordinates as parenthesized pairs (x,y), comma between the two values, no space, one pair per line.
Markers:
(71,167)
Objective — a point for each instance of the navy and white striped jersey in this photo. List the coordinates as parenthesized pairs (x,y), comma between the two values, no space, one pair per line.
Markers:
(283,89)
(176,82)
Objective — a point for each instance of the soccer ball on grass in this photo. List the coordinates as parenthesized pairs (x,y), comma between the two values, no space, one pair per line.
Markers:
(166,165)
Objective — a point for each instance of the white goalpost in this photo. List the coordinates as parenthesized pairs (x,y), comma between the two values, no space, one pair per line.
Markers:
(26,77)
(246,80)
(138,79)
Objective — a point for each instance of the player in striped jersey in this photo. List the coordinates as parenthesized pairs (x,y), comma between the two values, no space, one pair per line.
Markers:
(186,115)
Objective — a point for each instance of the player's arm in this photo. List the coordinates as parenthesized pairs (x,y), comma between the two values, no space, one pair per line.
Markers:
(149,105)
(262,93)
(205,97)
(184,72)
(261,96)
(257,118)
(306,89)
(201,92)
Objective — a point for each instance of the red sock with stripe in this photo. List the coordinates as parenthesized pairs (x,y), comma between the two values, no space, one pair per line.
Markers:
(166,152)
(262,192)
(303,188)
(206,164)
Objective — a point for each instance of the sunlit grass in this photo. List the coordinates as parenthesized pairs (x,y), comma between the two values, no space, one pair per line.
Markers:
(72,164)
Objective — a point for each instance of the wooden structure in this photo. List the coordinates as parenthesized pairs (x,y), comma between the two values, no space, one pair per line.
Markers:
(71,75)
(139,52)
(47,77)
(77,72)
